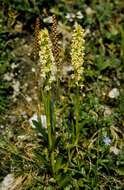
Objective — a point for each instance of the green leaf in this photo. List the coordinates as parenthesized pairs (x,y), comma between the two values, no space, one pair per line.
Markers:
(40,129)
(59,165)
(63,180)
(120,171)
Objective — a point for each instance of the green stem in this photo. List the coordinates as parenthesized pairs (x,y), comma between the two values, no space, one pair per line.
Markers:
(77,114)
(52,157)
(47,110)
(50,126)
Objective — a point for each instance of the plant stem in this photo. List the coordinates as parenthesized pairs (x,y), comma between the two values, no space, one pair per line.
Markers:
(47,105)
(49,109)
(52,158)
(77,115)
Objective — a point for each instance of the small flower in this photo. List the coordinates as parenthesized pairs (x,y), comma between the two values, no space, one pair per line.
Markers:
(70,17)
(47,19)
(79,15)
(107,140)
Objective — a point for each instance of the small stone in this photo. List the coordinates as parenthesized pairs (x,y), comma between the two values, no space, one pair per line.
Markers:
(35,118)
(23,137)
(24,115)
(18,27)
(1,126)
(114,93)
(28,99)
(89,11)
(7,182)
(107,111)
(33,70)
(115,150)
(16,86)
(43,120)
(87,31)
(8,76)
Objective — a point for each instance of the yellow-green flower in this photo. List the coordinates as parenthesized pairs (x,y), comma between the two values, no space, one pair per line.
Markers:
(77,53)
(47,62)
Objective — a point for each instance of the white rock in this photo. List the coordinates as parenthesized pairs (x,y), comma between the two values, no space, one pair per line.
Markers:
(115,150)
(87,31)
(35,118)
(1,126)
(67,69)
(8,76)
(89,11)
(107,111)
(33,69)
(28,98)
(16,86)
(24,114)
(7,182)
(23,137)
(114,93)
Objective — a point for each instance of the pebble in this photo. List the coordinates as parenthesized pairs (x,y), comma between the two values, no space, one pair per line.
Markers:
(115,150)
(35,118)
(114,93)
(7,182)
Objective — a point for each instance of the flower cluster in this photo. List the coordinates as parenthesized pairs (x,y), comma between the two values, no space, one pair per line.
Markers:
(46,59)
(36,39)
(77,53)
(55,41)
